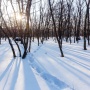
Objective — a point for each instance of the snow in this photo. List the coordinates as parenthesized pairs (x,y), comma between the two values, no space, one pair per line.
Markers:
(44,68)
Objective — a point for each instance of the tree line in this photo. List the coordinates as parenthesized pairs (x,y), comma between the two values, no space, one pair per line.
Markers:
(60,19)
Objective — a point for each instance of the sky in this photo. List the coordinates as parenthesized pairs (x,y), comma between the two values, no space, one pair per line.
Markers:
(6,5)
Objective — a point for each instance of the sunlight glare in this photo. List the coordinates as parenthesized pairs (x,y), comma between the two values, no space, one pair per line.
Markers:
(18,17)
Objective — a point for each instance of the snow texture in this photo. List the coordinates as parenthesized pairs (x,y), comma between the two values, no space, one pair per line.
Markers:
(44,68)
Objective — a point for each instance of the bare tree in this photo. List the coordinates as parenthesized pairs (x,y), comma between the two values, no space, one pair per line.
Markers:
(54,24)
(86,22)
(27,27)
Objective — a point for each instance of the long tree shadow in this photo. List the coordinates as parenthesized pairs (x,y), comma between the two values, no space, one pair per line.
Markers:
(15,74)
(75,53)
(74,71)
(2,54)
(7,70)
(52,80)
(83,55)
(70,68)
(78,62)
(29,83)
(77,56)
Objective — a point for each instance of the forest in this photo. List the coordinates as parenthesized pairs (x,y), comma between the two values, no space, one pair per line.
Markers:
(39,32)
(59,19)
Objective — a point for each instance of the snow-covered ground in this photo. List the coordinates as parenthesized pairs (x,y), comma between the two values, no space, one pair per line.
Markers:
(44,68)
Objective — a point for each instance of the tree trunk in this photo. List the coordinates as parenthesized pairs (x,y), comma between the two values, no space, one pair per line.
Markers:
(14,55)
(62,55)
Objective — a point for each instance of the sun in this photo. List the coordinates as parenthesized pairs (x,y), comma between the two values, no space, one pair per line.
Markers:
(18,17)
